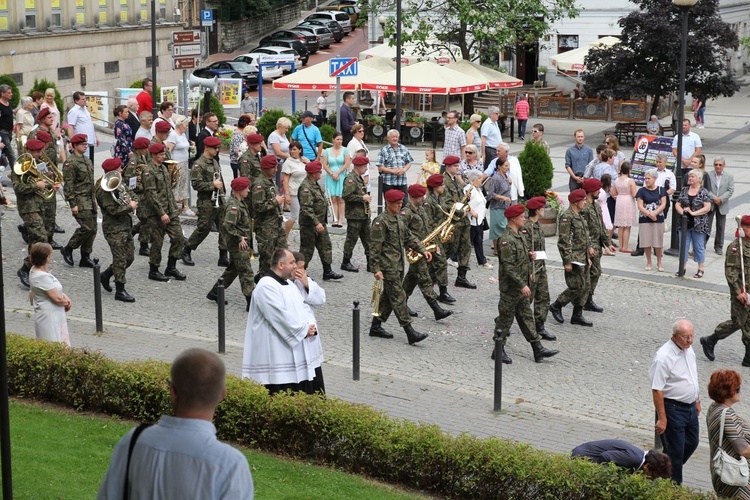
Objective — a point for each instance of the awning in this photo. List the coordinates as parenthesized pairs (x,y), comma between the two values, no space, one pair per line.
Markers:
(495,79)
(411,54)
(573,60)
(426,78)
(316,77)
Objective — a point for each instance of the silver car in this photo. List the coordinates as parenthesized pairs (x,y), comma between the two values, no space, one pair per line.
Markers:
(325,36)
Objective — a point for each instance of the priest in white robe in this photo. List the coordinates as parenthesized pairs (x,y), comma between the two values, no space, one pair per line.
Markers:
(277,325)
(314,297)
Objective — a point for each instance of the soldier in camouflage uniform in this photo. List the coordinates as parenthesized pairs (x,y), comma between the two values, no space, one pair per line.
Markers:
(439,266)
(30,206)
(162,128)
(250,159)
(132,179)
(78,173)
(389,237)
(575,247)
(164,216)
(737,259)
(415,218)
(117,226)
(540,285)
(235,230)
(357,211)
(515,275)
(460,243)
(313,221)
(598,235)
(206,179)
(267,214)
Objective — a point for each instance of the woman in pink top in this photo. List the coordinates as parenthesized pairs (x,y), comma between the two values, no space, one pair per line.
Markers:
(49,102)
(522,115)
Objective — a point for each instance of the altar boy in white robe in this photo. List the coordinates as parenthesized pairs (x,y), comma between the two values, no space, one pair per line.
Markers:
(314,297)
(277,325)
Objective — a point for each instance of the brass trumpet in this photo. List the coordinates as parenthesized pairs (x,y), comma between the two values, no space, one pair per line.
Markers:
(112,183)
(174,171)
(377,292)
(26,167)
(218,193)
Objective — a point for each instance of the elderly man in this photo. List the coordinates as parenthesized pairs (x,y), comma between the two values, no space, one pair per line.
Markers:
(674,385)
(576,158)
(491,136)
(309,136)
(80,122)
(691,144)
(515,173)
(721,188)
(132,119)
(180,454)
(145,120)
(455,138)
(394,160)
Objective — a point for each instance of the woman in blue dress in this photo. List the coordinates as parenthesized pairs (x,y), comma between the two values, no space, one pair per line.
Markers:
(335,162)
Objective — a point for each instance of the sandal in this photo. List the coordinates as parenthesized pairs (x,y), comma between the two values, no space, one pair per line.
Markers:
(661,269)
(699,274)
(647,268)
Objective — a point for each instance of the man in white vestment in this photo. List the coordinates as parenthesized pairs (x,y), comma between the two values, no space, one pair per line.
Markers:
(277,325)
(313,297)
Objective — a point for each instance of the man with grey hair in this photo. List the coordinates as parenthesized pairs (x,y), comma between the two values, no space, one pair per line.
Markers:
(721,189)
(146,120)
(515,172)
(491,135)
(180,457)
(132,118)
(394,160)
(6,123)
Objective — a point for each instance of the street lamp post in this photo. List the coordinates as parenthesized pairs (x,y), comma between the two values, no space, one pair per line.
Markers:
(398,65)
(679,247)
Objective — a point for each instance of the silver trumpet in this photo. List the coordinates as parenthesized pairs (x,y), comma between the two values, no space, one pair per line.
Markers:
(112,183)
(218,193)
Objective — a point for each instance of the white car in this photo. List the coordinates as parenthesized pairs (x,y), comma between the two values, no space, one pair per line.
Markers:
(270,73)
(273,50)
(334,15)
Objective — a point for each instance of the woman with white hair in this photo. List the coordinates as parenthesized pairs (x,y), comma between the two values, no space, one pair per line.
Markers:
(24,118)
(652,200)
(695,202)
(473,135)
(179,146)
(278,141)
(478,204)
(653,126)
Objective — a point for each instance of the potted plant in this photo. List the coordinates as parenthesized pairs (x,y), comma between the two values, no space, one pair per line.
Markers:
(411,120)
(375,120)
(553,210)
(537,171)
(542,72)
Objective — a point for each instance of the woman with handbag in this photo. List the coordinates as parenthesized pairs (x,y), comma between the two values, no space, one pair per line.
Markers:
(724,390)
(478,204)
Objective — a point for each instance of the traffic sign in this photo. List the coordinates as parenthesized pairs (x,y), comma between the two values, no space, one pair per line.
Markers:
(186,50)
(207,17)
(188,37)
(188,62)
(284,58)
(343,66)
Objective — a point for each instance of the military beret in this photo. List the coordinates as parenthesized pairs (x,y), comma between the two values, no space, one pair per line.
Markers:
(34,145)
(240,183)
(212,142)
(514,211)
(162,126)
(451,160)
(591,185)
(79,139)
(745,219)
(360,160)
(111,164)
(536,203)
(254,139)
(313,166)
(141,143)
(417,190)
(576,195)
(435,180)
(268,161)
(44,136)
(42,114)
(394,195)
(156,148)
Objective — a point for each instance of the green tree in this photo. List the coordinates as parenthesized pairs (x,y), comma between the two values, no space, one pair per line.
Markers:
(6,80)
(44,84)
(536,168)
(267,123)
(646,61)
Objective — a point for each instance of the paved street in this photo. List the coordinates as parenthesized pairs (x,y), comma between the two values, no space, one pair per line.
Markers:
(597,387)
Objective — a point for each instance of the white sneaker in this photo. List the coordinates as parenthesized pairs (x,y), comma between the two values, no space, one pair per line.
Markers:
(451,263)
(487,265)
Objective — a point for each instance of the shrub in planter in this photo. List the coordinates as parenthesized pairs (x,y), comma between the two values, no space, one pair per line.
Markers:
(267,123)
(327,131)
(537,169)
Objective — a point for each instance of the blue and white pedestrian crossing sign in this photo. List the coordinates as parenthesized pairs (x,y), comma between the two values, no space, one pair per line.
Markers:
(343,66)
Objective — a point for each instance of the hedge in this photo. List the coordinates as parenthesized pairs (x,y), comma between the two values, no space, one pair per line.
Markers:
(351,437)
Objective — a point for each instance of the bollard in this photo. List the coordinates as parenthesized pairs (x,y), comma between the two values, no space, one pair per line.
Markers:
(222,315)
(355,341)
(98,296)
(512,128)
(498,374)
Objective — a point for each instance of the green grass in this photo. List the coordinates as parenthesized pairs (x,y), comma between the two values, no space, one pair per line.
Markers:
(57,454)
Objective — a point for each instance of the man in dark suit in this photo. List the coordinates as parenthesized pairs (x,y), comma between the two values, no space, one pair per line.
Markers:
(721,187)
(654,464)
(210,126)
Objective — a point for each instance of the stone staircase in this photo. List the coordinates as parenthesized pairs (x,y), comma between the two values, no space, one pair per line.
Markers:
(492,97)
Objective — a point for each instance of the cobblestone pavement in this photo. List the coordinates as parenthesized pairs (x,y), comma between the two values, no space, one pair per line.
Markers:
(597,386)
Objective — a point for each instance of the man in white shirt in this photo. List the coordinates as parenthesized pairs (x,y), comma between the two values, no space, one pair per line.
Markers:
(80,122)
(674,384)
(691,144)
(491,136)
(180,457)
(321,105)
(515,173)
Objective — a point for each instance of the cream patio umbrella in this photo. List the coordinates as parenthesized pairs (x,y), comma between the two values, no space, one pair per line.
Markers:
(426,77)
(411,55)
(573,60)
(495,79)
(316,77)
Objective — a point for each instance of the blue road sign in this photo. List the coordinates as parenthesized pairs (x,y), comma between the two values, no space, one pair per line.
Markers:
(207,15)
(343,66)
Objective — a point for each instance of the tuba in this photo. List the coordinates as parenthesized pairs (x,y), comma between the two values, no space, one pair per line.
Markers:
(112,183)
(26,168)
(174,171)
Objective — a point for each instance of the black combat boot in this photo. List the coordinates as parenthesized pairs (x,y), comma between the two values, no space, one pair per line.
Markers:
(556,309)
(104,279)
(248,298)
(144,251)
(591,306)
(67,254)
(212,295)
(708,344)
(578,319)
(24,232)
(23,275)
(172,270)
(413,314)
(541,352)
(59,230)
(187,258)
(154,274)
(55,245)
(122,294)
(543,332)
(329,274)
(85,260)
(223,259)
(444,296)
(461,280)
(504,355)
(414,336)
(369,269)
(348,266)
(746,359)
(377,330)
(440,313)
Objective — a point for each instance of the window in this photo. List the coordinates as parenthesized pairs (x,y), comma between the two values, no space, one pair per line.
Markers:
(18,78)
(144,9)
(124,11)
(566,43)
(67,73)
(80,13)
(102,19)
(112,67)
(3,15)
(162,12)
(148,62)
(30,14)
(55,14)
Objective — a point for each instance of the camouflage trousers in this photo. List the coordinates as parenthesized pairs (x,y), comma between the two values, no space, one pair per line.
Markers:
(37,233)
(460,245)
(357,229)
(513,305)
(239,265)
(595,270)
(49,214)
(540,290)
(419,274)
(438,267)
(121,245)
(142,227)
(158,231)
(84,236)
(739,321)
(578,287)
(270,236)
(393,298)
(208,215)
(309,240)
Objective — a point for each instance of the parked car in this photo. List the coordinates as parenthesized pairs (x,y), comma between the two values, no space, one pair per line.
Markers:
(231,69)
(336,29)
(334,15)
(280,51)
(325,37)
(309,40)
(351,10)
(293,44)
(270,73)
